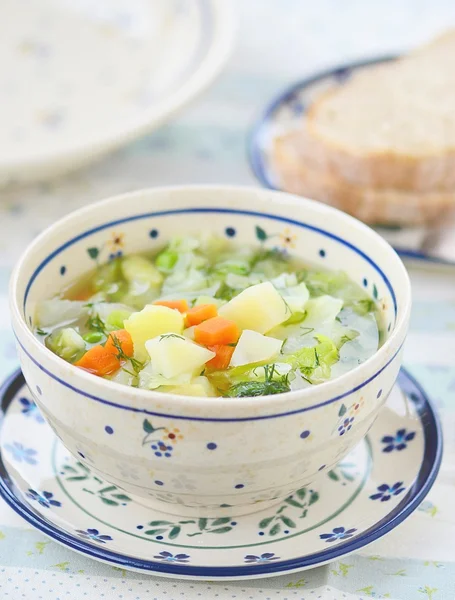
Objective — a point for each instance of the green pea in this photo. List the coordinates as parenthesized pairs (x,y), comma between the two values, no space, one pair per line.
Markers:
(93,337)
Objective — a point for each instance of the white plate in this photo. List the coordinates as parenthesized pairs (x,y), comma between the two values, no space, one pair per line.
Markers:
(79,78)
(373,490)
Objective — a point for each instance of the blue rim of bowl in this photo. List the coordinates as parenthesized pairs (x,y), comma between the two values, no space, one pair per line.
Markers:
(258,162)
(424,481)
(202,211)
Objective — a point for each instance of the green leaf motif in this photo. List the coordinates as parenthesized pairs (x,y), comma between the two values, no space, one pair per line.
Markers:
(186,522)
(261,234)
(174,533)
(288,522)
(202,524)
(108,502)
(154,531)
(221,521)
(375,292)
(301,493)
(342,410)
(265,522)
(77,478)
(293,502)
(275,529)
(156,523)
(221,530)
(93,252)
(122,497)
(147,426)
(333,476)
(314,497)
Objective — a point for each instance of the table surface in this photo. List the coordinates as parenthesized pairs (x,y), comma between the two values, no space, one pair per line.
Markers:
(278,42)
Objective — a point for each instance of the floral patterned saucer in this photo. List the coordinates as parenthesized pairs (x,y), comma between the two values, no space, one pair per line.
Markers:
(375,488)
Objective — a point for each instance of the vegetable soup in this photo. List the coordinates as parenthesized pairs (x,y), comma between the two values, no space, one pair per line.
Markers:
(207,317)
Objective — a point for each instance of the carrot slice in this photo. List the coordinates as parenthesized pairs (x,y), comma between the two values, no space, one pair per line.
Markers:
(216,331)
(200,313)
(222,358)
(180,305)
(123,339)
(99,361)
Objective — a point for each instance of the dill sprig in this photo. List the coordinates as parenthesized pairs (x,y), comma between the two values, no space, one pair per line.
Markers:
(274,383)
(95,323)
(171,335)
(137,365)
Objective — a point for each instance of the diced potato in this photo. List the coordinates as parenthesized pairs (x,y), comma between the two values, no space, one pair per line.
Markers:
(189,332)
(151,321)
(172,354)
(199,386)
(259,307)
(254,347)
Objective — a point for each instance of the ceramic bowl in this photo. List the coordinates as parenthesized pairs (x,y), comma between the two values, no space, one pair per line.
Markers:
(208,456)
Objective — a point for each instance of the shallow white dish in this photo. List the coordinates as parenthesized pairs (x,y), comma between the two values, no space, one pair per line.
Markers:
(375,488)
(78,79)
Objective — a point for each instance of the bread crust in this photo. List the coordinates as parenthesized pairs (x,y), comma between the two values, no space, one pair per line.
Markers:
(423,170)
(371,204)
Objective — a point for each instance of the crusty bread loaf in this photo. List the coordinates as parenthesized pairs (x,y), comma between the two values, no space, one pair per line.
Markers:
(391,126)
(371,205)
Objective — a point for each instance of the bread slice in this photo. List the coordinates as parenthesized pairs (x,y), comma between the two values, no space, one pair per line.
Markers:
(371,205)
(390,126)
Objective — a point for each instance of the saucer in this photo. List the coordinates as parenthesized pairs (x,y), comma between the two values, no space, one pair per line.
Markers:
(369,493)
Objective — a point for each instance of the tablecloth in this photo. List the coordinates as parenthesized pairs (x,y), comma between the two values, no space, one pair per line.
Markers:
(278,42)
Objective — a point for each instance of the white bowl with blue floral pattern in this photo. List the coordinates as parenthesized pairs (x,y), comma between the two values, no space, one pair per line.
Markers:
(243,454)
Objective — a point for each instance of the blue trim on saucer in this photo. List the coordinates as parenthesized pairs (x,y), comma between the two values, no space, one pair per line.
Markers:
(249,213)
(425,479)
(207,419)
